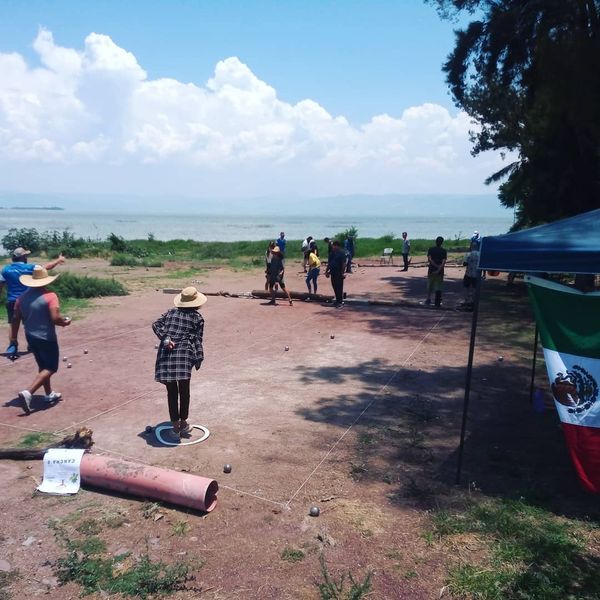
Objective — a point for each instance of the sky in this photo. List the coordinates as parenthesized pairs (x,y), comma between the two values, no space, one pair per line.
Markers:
(224,98)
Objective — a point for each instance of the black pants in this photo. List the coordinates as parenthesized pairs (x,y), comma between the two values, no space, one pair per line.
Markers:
(405,259)
(337,283)
(178,393)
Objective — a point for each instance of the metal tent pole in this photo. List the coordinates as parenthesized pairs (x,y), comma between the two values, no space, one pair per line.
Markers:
(469,376)
(533,364)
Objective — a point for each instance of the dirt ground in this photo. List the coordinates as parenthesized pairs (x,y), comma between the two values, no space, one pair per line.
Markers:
(361,417)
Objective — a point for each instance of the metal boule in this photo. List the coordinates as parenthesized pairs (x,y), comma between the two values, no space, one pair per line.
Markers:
(314,511)
(227,468)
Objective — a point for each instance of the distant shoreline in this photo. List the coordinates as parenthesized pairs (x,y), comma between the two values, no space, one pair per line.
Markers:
(31,208)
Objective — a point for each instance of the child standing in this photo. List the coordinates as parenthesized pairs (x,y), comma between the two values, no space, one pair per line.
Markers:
(180,331)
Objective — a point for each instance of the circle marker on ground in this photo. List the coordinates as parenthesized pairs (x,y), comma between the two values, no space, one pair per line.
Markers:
(160,428)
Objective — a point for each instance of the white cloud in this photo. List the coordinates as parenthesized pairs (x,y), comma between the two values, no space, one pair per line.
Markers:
(96,106)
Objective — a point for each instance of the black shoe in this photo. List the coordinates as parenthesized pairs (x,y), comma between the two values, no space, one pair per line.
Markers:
(272,303)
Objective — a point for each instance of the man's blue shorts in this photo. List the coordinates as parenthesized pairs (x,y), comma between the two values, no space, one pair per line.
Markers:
(45,353)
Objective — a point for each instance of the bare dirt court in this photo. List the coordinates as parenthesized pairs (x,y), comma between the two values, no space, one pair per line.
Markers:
(360,417)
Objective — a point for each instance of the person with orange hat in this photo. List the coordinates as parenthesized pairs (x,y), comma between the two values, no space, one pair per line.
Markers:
(39,310)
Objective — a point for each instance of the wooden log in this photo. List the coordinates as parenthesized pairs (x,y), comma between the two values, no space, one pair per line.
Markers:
(82,438)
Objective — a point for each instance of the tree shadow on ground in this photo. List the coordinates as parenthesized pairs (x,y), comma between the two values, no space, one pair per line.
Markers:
(517,475)
(409,435)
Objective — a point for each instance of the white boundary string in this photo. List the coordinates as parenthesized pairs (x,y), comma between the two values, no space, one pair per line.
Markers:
(377,394)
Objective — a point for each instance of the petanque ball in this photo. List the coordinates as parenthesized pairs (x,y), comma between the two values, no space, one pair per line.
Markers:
(156,346)
(332,336)
(65,358)
(227,468)
(500,358)
(85,351)
(69,365)
(287,348)
(314,511)
(149,429)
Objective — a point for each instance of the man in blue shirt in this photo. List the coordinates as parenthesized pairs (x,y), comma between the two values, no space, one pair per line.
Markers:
(281,242)
(9,276)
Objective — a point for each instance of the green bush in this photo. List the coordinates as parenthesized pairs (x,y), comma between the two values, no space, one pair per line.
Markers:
(69,285)
(124,260)
(24,238)
(152,263)
(117,243)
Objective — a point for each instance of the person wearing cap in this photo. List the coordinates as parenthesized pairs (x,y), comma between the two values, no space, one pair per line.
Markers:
(9,276)
(275,274)
(39,310)
(281,242)
(180,331)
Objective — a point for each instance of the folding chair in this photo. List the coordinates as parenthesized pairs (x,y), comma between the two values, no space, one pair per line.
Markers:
(386,256)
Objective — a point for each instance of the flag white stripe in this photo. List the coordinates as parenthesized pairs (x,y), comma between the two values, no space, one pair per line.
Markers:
(560,363)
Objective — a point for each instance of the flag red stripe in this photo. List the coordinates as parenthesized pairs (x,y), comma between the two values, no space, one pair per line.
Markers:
(583,444)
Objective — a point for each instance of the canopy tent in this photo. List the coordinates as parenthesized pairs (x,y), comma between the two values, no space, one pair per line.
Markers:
(570,245)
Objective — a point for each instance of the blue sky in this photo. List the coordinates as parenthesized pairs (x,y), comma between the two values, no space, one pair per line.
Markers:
(378,119)
(356,58)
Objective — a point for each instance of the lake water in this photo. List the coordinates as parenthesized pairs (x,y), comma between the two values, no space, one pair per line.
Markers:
(421,218)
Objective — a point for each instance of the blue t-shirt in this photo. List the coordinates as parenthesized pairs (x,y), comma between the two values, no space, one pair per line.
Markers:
(10,274)
(281,244)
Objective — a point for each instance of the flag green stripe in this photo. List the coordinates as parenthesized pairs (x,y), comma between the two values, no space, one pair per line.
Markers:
(567,322)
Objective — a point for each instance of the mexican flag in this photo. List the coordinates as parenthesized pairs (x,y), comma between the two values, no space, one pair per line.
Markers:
(569,325)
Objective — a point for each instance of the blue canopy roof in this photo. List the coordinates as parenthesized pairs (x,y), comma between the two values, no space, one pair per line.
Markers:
(567,246)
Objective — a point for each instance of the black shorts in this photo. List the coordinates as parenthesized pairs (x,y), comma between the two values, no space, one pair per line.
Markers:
(469,281)
(45,353)
(277,280)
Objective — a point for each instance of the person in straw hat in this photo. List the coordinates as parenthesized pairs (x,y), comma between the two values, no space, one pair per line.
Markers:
(9,276)
(180,331)
(39,310)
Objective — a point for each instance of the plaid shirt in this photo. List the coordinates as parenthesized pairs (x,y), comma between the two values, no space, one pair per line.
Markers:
(185,327)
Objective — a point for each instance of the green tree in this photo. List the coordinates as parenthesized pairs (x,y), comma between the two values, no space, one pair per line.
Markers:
(528,73)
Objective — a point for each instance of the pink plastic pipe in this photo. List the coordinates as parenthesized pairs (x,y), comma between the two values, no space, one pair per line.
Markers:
(183,489)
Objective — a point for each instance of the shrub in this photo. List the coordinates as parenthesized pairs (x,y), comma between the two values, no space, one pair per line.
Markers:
(152,263)
(69,285)
(25,238)
(124,260)
(117,243)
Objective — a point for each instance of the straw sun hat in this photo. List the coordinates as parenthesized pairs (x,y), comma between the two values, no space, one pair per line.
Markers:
(190,297)
(39,278)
